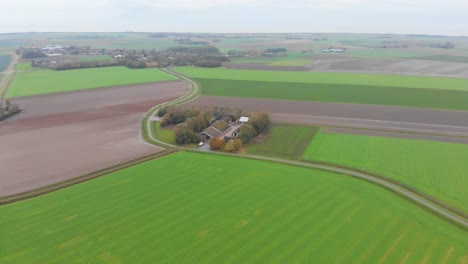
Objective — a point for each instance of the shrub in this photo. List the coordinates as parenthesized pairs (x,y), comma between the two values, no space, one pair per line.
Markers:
(217,144)
(247,133)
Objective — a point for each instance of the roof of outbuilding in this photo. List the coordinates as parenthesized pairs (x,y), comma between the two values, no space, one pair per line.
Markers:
(212,132)
(244,119)
(220,125)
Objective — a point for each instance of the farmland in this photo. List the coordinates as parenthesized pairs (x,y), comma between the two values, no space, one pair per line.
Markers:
(409,91)
(338,93)
(375,80)
(436,168)
(48,81)
(283,141)
(4,62)
(216,209)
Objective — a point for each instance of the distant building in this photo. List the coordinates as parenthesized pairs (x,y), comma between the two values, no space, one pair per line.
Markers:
(334,49)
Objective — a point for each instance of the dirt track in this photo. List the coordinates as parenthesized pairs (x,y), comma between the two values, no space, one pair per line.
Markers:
(65,135)
(399,119)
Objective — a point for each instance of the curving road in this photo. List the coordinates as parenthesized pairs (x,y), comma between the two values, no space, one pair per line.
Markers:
(459,220)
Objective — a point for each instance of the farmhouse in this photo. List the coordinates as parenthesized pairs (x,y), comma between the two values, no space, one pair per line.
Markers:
(224,128)
(215,130)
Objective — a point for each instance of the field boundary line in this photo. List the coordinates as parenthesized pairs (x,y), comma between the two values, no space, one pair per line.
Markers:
(408,194)
(83,178)
(5,82)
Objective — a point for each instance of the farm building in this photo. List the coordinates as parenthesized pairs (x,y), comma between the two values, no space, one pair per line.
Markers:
(224,128)
(244,119)
(216,129)
(334,49)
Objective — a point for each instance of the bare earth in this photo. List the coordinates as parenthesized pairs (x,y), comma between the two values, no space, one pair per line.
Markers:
(391,66)
(65,135)
(397,119)
(369,66)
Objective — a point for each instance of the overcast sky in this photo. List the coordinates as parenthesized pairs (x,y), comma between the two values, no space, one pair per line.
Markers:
(441,17)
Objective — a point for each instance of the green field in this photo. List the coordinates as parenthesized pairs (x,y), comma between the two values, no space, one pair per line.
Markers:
(195,208)
(339,93)
(438,169)
(290,62)
(284,141)
(374,80)
(49,81)
(26,66)
(164,134)
(4,62)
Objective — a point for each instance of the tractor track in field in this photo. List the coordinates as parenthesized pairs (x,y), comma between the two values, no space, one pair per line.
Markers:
(437,209)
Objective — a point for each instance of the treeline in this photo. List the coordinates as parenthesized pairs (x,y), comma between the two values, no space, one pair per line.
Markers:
(129,63)
(32,54)
(10,109)
(276,50)
(446,45)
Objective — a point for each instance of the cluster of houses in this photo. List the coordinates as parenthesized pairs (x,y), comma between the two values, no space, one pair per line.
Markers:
(224,128)
(334,49)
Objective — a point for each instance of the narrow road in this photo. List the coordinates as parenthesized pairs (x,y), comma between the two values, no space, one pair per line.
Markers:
(8,74)
(459,220)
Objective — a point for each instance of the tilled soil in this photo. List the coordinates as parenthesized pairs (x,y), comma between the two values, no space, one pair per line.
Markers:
(373,117)
(65,135)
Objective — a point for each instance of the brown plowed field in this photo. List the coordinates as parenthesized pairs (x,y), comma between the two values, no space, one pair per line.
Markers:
(65,135)
(374,117)
(369,66)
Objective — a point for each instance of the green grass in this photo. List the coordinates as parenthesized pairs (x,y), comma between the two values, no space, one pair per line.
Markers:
(26,66)
(4,62)
(327,78)
(284,141)
(339,93)
(164,134)
(195,208)
(290,63)
(438,169)
(48,81)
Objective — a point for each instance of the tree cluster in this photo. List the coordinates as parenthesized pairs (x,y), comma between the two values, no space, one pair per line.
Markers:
(259,123)
(276,50)
(185,134)
(446,45)
(8,110)
(191,121)
(231,146)
(71,64)
(31,54)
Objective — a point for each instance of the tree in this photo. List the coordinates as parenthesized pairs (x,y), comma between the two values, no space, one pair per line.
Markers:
(229,146)
(233,145)
(260,122)
(237,144)
(217,144)
(185,134)
(247,133)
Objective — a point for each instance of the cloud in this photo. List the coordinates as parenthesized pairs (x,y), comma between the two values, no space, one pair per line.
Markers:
(55,4)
